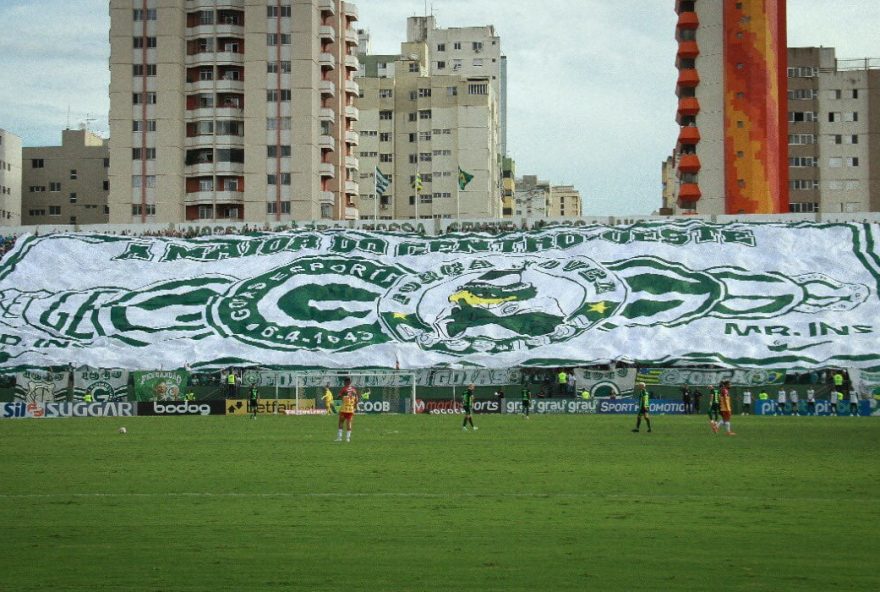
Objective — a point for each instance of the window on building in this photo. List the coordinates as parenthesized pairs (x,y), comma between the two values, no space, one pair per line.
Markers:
(36,163)
(801,139)
(424,93)
(478,89)
(441,47)
(803,207)
(143,153)
(456,45)
(273,151)
(54,210)
(277,39)
(140,98)
(424,114)
(275,67)
(385,93)
(852,161)
(451,91)
(385,137)
(424,156)
(274,95)
(72,197)
(141,42)
(477,46)
(414,67)
(441,65)
(277,11)
(54,186)
(326,211)
(386,115)
(73,173)
(386,158)
(478,62)
(424,136)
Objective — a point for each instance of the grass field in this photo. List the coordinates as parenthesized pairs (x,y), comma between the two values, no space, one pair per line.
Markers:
(413,503)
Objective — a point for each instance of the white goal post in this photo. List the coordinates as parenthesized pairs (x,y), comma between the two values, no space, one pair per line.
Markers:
(394,386)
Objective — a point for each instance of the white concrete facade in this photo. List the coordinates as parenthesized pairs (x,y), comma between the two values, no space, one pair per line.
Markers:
(10,179)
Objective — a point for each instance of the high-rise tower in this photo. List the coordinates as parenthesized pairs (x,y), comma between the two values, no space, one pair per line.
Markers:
(237,110)
(731,154)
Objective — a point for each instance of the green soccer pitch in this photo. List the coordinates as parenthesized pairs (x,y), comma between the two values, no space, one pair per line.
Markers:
(414,503)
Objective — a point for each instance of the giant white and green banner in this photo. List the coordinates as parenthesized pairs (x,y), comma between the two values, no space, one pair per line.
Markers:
(765,295)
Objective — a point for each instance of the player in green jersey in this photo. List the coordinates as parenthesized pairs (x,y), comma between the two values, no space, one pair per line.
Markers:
(467,404)
(643,398)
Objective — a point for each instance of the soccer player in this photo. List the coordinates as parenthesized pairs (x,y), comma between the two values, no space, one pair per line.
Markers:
(714,408)
(254,402)
(644,405)
(526,401)
(349,396)
(854,403)
(833,398)
(726,410)
(811,401)
(747,402)
(467,404)
(793,399)
(780,402)
(327,397)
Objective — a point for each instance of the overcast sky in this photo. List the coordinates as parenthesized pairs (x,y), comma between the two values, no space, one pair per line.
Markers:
(591,82)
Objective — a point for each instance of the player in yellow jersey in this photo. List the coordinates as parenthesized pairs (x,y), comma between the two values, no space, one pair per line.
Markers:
(327,397)
(349,396)
(725,408)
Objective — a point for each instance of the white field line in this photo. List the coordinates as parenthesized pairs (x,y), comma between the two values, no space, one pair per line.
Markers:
(415,494)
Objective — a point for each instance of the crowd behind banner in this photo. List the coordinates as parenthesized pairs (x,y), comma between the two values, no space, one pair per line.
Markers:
(439,390)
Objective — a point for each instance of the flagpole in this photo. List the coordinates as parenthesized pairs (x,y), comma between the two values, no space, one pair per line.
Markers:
(457,204)
(376,196)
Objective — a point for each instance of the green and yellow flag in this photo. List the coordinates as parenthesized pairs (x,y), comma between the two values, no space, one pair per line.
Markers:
(463,178)
(417,183)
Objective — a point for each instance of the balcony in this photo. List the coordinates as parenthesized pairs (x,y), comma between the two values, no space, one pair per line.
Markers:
(326,143)
(689,77)
(229,85)
(328,88)
(352,113)
(688,49)
(327,170)
(327,197)
(352,188)
(351,36)
(688,106)
(327,6)
(351,162)
(352,88)
(688,20)
(352,138)
(327,114)
(689,135)
(350,10)
(200,86)
(689,192)
(689,163)
(231,168)
(352,62)
(327,34)
(352,213)
(325,60)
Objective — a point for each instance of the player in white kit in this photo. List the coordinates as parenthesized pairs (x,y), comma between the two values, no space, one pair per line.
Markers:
(793,399)
(780,402)
(811,401)
(747,402)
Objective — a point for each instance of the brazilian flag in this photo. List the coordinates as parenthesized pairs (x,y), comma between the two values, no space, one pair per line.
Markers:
(463,178)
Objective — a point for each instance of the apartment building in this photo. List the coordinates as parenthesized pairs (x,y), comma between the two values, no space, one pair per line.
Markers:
(237,110)
(508,186)
(833,108)
(564,202)
(10,179)
(470,52)
(420,129)
(531,198)
(731,152)
(66,184)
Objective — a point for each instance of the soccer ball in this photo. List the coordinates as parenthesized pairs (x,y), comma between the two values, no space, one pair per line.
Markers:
(122,430)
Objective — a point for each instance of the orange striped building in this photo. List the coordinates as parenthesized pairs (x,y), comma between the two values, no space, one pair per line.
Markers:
(731,155)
